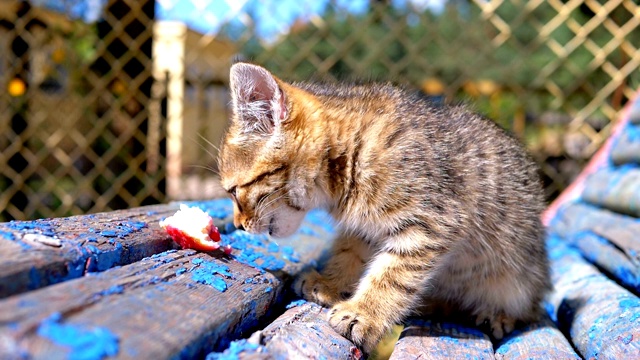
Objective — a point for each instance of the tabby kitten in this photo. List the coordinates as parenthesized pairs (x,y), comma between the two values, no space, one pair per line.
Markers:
(438,207)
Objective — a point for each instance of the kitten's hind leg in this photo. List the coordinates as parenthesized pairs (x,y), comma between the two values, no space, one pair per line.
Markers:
(340,275)
(499,324)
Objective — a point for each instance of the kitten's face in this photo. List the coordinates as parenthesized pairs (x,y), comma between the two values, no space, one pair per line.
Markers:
(254,163)
(259,189)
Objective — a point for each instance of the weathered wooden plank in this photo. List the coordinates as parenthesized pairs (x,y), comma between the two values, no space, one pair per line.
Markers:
(619,229)
(441,340)
(178,304)
(302,332)
(615,189)
(37,253)
(605,238)
(626,148)
(601,318)
(541,340)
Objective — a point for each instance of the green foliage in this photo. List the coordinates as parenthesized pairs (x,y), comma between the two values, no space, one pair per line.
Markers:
(520,53)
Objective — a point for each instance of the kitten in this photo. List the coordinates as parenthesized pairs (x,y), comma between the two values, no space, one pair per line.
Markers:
(438,207)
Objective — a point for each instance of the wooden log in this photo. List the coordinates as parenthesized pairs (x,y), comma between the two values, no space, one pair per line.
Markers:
(178,304)
(626,149)
(541,340)
(600,317)
(302,332)
(441,340)
(37,253)
(615,189)
(605,238)
(617,264)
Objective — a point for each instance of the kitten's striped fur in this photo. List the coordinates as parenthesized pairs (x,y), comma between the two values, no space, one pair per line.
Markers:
(438,206)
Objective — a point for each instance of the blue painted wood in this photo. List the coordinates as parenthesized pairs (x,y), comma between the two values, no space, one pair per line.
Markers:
(616,189)
(600,226)
(176,304)
(601,318)
(626,149)
(302,332)
(441,340)
(38,253)
(605,238)
(541,340)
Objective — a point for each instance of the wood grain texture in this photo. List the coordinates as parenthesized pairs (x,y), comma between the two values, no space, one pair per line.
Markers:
(601,318)
(605,238)
(170,305)
(37,253)
(615,189)
(302,332)
(579,217)
(541,340)
(627,148)
(441,340)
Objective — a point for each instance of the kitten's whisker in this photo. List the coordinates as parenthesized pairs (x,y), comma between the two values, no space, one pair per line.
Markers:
(272,200)
(210,144)
(261,202)
(202,146)
(213,170)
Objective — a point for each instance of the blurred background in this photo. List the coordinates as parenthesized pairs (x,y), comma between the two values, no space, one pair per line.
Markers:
(109,104)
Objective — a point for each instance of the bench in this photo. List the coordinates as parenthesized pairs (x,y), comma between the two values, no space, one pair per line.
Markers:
(114,285)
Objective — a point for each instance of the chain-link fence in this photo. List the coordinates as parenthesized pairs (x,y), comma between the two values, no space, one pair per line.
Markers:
(108,105)
(75,115)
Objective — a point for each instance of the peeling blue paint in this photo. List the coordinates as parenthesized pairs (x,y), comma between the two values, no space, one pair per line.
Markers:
(289,253)
(307,230)
(599,250)
(593,319)
(218,208)
(108,233)
(205,272)
(296,303)
(123,229)
(632,132)
(43,227)
(115,289)
(83,343)
(235,349)
(273,247)
(626,339)
(7,235)
(322,219)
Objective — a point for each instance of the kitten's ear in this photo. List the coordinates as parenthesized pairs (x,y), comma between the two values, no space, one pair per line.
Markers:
(258,101)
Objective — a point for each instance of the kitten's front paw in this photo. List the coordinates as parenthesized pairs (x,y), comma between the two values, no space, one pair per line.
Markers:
(353,322)
(314,287)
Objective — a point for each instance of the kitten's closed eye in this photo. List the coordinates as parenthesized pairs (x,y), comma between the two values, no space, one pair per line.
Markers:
(232,192)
